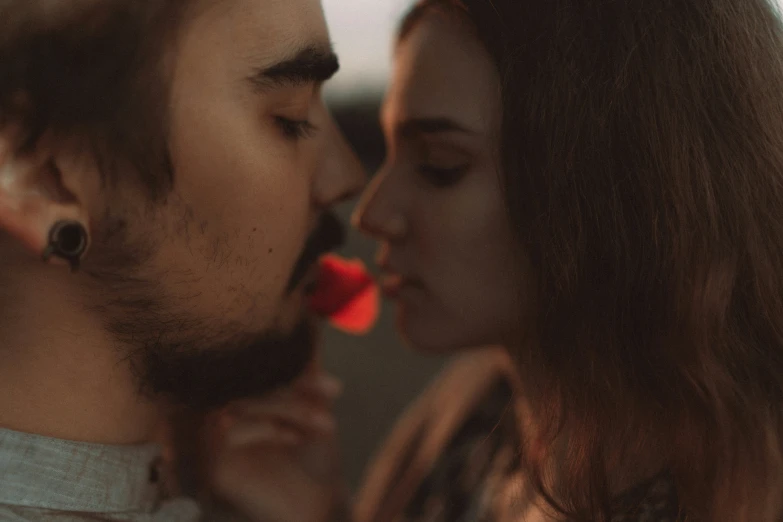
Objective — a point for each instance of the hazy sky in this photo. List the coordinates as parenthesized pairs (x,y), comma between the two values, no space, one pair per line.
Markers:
(362,32)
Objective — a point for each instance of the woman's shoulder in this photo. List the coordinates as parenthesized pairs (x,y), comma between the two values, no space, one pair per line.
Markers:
(456,390)
(458,425)
(476,385)
(453,394)
(472,373)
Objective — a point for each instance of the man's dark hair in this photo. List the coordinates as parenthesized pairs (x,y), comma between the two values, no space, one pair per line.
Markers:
(94,70)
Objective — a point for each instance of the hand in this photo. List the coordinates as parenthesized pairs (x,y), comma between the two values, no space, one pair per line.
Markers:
(274,459)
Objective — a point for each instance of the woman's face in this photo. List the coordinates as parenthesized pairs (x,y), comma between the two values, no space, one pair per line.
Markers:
(436,206)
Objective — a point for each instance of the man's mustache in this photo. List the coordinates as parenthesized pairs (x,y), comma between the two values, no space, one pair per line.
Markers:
(327,236)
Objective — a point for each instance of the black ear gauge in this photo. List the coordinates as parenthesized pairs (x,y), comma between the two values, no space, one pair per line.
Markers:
(68,240)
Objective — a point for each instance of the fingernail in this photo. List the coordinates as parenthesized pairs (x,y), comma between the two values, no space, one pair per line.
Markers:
(323,422)
(329,386)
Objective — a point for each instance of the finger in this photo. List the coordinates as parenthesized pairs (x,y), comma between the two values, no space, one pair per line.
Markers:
(319,390)
(243,434)
(296,415)
(321,385)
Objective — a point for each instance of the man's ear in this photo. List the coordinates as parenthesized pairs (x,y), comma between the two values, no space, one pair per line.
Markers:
(42,185)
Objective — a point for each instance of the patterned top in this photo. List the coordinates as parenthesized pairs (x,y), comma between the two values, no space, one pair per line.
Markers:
(454,458)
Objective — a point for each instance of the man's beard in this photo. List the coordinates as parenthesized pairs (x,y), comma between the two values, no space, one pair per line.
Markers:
(199,371)
(207,377)
(189,361)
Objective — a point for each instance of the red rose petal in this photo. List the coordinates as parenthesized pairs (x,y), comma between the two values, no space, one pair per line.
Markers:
(346,294)
(359,316)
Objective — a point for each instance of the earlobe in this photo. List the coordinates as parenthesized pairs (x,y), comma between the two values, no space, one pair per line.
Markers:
(22,212)
(16,226)
(34,204)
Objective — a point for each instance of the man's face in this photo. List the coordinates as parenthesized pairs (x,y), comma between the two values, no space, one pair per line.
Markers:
(200,286)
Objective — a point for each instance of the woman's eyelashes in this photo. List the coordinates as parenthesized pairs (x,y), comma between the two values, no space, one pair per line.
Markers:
(442,177)
(295,130)
(441,164)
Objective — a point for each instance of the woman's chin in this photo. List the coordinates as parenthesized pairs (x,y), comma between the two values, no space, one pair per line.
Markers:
(428,337)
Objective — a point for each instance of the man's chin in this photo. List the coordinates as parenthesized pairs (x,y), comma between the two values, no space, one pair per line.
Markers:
(207,377)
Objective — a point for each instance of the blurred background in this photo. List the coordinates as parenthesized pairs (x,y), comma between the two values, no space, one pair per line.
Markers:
(380,374)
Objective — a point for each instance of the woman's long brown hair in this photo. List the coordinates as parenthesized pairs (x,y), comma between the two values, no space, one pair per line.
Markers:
(642,149)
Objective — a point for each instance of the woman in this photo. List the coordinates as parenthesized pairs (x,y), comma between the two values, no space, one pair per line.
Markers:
(596,185)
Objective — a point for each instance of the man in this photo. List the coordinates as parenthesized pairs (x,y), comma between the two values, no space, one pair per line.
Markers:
(173,164)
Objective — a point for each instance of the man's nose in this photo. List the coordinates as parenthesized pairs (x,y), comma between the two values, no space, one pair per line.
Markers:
(341,176)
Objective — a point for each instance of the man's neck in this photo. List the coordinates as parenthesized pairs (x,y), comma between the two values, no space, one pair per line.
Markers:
(60,374)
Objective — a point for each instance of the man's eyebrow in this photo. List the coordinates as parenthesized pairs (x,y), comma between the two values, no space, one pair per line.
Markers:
(415,126)
(311,64)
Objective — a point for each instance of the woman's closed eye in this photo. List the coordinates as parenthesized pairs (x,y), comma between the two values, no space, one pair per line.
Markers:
(441,165)
(295,130)
(442,176)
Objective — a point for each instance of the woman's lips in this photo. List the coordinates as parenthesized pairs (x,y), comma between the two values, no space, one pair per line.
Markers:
(345,294)
(392,283)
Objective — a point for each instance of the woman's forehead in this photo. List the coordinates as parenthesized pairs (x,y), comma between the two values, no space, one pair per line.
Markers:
(442,69)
